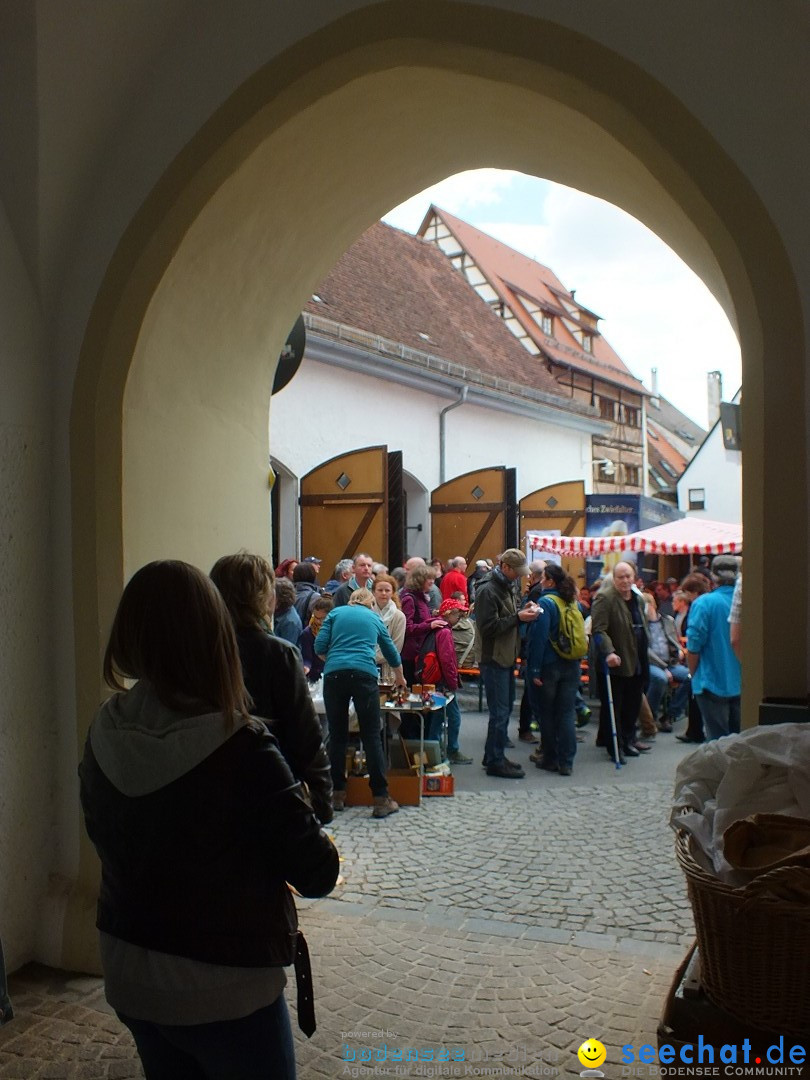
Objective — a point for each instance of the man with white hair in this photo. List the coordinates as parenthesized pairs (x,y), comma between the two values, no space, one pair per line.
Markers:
(619,631)
(455,578)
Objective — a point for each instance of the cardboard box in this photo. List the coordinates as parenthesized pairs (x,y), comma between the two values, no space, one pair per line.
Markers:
(403,786)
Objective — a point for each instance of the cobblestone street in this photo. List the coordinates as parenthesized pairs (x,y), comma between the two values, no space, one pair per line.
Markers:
(503,925)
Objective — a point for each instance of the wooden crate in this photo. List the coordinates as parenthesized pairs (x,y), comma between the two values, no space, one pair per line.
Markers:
(403,786)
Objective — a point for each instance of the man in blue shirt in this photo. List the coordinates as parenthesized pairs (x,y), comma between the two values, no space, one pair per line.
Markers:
(715,669)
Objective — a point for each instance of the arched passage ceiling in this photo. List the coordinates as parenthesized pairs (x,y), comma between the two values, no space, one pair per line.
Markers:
(277,225)
(282,180)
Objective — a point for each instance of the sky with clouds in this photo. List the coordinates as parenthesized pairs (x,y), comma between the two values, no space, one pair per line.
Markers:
(655,311)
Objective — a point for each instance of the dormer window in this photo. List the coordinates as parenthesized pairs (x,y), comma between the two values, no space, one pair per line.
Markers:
(587,343)
(547,324)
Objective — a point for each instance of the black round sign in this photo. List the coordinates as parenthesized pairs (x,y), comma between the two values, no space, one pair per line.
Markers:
(291,355)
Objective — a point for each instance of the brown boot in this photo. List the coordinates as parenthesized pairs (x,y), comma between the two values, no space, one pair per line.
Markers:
(383,806)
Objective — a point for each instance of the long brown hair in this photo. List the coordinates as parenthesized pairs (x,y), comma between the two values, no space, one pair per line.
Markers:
(172,629)
(246,584)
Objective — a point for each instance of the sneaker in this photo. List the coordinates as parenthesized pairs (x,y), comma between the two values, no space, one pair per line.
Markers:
(564,770)
(338,801)
(383,806)
(507,770)
(455,757)
(583,717)
(526,736)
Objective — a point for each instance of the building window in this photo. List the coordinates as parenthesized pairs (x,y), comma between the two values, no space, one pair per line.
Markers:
(547,325)
(697,498)
(587,343)
(605,472)
(631,475)
(607,408)
(631,415)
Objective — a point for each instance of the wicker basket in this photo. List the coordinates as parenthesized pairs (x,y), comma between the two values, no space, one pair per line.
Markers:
(754,949)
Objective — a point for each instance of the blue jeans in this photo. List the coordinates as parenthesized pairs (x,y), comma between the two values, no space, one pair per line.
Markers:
(253,1047)
(721,715)
(499,684)
(556,704)
(453,725)
(340,688)
(679,698)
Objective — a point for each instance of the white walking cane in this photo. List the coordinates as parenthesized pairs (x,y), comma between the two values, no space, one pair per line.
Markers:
(617,758)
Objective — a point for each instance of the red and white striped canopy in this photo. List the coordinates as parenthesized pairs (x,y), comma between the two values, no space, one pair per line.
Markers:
(688,536)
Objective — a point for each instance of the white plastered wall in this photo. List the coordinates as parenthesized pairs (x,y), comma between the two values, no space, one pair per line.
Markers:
(318,416)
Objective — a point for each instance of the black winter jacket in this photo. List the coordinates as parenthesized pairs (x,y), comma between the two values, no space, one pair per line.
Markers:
(275,680)
(198,867)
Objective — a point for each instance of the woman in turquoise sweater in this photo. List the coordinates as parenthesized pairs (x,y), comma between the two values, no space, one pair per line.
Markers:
(348,642)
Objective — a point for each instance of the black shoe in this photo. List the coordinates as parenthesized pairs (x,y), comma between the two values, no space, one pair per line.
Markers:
(547,766)
(688,739)
(506,770)
(630,751)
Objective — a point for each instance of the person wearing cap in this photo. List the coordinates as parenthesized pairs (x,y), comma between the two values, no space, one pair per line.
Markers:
(452,611)
(716,673)
(498,619)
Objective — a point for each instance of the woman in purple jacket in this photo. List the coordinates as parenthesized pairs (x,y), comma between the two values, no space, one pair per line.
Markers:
(418,617)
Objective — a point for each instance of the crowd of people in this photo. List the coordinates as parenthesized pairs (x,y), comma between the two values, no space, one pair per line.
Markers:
(209,773)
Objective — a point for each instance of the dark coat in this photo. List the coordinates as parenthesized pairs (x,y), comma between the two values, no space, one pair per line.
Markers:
(612,629)
(199,867)
(275,680)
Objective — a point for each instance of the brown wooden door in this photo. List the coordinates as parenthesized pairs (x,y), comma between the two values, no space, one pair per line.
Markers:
(344,506)
(474,515)
(558,506)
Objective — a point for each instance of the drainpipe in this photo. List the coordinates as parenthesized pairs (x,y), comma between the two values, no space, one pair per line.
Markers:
(442,431)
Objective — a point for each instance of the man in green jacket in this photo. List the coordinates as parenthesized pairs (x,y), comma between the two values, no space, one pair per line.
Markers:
(619,630)
(497,629)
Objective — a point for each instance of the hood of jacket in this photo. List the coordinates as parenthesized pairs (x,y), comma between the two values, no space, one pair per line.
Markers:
(141,745)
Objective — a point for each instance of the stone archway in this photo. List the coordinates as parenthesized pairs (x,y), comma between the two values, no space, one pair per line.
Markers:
(220,257)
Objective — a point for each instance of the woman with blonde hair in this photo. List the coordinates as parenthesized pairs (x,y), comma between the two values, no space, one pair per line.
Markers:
(388,607)
(199,825)
(348,642)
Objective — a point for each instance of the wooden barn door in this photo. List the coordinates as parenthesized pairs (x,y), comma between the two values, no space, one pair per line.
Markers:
(474,515)
(558,506)
(345,507)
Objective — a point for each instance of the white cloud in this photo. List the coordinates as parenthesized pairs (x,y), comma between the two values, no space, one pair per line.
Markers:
(457,194)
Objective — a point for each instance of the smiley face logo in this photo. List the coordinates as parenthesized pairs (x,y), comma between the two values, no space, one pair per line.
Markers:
(592,1054)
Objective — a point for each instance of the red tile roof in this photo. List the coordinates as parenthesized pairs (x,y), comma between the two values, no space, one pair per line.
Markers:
(511,273)
(400,287)
(660,448)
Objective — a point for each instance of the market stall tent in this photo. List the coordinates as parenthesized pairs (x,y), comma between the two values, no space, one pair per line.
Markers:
(687,536)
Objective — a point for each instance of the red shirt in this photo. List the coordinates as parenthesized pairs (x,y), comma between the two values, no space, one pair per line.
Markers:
(453,581)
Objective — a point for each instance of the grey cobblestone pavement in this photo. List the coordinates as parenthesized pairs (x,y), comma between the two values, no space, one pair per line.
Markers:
(508,925)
